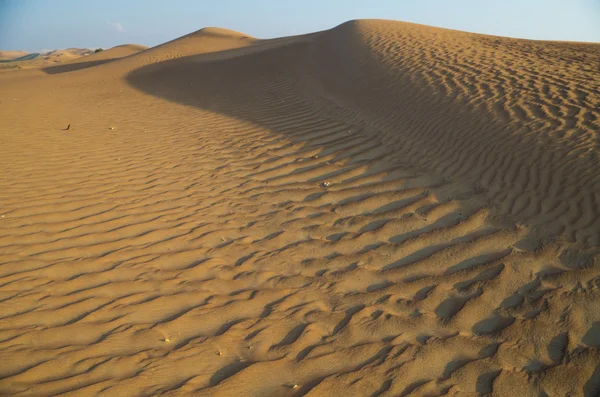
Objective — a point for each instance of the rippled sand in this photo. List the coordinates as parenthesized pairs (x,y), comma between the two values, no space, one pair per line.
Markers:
(380,209)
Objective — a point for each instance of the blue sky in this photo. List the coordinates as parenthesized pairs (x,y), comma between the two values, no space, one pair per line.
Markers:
(33,25)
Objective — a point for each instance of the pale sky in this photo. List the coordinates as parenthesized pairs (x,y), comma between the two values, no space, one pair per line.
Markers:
(35,25)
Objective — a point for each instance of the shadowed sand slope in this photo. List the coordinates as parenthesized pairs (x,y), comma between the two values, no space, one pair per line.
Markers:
(381,209)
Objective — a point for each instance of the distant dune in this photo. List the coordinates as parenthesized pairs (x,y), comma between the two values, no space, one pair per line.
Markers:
(378,209)
(26,60)
(68,56)
(96,58)
(9,55)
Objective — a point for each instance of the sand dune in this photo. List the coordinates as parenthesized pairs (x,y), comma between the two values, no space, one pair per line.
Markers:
(112,53)
(67,54)
(380,209)
(8,55)
(95,59)
(37,60)
(70,59)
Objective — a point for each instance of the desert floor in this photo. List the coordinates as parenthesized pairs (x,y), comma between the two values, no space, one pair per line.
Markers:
(380,209)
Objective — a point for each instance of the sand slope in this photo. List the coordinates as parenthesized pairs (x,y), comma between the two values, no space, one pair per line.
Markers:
(380,209)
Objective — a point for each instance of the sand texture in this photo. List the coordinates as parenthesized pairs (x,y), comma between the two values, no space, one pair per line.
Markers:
(380,209)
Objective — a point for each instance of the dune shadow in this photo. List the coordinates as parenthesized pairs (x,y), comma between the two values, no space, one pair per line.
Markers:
(223,81)
(70,67)
(311,90)
(592,336)
(299,91)
(227,372)
(303,88)
(592,386)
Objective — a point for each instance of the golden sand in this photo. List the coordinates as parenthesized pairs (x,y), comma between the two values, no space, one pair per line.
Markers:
(380,209)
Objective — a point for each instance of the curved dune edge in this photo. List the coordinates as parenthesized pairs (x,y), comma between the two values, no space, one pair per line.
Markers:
(379,209)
